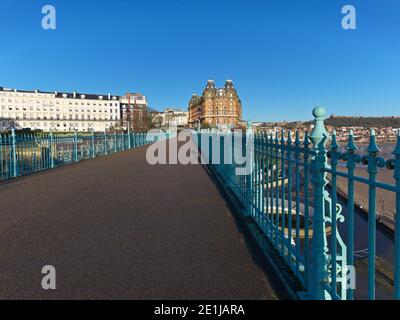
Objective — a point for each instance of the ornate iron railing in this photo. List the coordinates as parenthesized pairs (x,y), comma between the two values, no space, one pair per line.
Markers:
(22,154)
(288,187)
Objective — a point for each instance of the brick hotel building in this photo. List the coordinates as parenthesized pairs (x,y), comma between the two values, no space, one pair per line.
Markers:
(220,107)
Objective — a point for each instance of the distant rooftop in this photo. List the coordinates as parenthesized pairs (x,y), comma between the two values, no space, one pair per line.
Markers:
(70,95)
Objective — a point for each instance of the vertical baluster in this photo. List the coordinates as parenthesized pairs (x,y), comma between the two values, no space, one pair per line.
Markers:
(266,184)
(48,148)
(249,176)
(334,163)
(262,187)
(92,146)
(260,181)
(373,151)
(221,155)
(233,166)
(38,151)
(105,143)
(14,152)
(76,146)
(289,193)
(306,169)
(129,138)
(254,180)
(396,153)
(1,157)
(10,156)
(351,164)
(51,149)
(276,173)
(318,258)
(23,151)
(297,196)
(33,152)
(282,196)
(27,154)
(7,155)
(246,187)
(270,176)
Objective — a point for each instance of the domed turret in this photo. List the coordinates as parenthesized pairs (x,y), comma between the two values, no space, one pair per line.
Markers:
(229,84)
(210,85)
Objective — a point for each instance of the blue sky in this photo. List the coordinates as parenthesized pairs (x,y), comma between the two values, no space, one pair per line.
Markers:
(285,56)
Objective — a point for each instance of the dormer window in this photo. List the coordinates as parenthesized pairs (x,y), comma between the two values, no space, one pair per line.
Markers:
(83,96)
(101,97)
(65,95)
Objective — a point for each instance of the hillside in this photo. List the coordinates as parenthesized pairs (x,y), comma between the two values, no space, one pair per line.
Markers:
(376,122)
(338,121)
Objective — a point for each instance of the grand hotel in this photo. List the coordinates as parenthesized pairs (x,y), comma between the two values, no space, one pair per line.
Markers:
(216,107)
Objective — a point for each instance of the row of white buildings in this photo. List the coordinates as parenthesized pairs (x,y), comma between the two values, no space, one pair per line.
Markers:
(61,111)
(171,118)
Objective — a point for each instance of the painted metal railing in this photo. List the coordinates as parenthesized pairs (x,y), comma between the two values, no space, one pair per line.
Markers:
(22,154)
(288,187)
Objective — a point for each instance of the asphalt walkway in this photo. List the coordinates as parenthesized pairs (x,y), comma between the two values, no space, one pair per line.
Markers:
(118,228)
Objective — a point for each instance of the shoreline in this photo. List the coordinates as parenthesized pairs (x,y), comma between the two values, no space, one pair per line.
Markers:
(385,200)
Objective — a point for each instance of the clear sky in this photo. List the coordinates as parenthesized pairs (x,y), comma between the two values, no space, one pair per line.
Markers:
(284,56)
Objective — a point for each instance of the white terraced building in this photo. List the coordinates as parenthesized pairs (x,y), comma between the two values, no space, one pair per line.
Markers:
(57,111)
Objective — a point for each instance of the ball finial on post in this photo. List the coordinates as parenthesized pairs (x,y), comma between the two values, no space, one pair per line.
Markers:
(319,132)
(319,112)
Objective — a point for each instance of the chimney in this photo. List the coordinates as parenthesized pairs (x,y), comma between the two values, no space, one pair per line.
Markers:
(74,94)
(109,96)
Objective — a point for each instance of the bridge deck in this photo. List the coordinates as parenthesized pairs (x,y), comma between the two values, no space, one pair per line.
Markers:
(116,227)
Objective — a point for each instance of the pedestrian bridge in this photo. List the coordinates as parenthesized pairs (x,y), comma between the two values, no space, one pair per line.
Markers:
(115,227)
(271,227)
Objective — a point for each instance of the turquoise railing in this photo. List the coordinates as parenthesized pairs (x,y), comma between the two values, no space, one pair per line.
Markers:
(22,154)
(289,188)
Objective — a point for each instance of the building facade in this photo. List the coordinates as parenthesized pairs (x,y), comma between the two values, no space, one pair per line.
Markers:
(217,107)
(134,108)
(175,117)
(171,117)
(57,111)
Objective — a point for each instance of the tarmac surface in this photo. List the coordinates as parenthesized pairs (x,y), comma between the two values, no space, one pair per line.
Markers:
(117,228)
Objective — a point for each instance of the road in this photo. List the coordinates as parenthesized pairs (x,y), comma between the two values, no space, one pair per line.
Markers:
(118,228)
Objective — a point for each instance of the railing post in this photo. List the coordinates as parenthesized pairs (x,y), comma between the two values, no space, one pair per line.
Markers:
(129,138)
(93,152)
(51,149)
(351,165)
(14,152)
(318,258)
(76,146)
(115,142)
(372,170)
(396,153)
(249,175)
(105,142)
